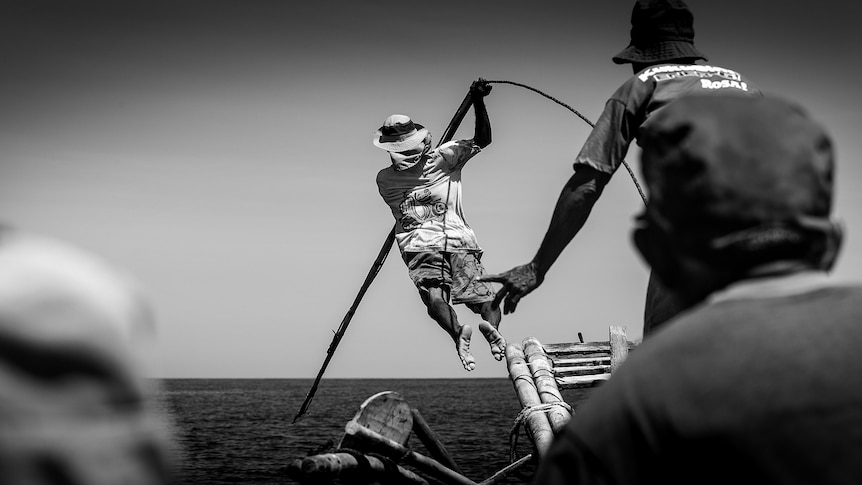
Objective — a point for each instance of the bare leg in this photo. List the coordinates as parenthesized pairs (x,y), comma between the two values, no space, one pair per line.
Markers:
(436,300)
(489,327)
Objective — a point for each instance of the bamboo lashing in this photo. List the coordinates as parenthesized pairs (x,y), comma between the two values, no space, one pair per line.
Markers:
(546,384)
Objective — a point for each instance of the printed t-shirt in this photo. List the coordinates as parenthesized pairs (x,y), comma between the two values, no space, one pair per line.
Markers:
(643,94)
(426,201)
(627,109)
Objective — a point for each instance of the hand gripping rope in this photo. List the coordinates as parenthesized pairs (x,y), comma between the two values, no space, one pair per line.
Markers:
(390,238)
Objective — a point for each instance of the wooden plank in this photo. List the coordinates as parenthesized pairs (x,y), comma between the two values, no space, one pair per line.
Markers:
(556,350)
(386,413)
(577,348)
(582,371)
(537,424)
(572,362)
(546,385)
(329,466)
(578,382)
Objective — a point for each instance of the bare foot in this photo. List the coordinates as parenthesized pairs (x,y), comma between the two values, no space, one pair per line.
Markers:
(495,340)
(463,346)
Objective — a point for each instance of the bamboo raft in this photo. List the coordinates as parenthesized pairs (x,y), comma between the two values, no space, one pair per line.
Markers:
(374,447)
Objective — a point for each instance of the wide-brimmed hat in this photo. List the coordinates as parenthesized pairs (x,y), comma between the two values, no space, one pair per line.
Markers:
(399,133)
(662,30)
(728,169)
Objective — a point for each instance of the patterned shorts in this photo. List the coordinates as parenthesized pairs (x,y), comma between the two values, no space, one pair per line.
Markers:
(457,271)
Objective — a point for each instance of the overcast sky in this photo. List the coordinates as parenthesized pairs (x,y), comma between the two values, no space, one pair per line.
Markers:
(221,152)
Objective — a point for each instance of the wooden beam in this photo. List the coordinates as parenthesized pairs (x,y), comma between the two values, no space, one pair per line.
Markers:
(581,370)
(397,452)
(580,382)
(619,346)
(333,465)
(577,348)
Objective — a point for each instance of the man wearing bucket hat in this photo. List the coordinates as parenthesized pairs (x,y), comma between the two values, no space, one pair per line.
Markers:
(663,58)
(422,187)
(753,383)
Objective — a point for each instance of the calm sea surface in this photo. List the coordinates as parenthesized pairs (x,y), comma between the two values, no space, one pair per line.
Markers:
(240,430)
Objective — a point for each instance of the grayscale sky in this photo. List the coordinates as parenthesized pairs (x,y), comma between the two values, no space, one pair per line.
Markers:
(221,152)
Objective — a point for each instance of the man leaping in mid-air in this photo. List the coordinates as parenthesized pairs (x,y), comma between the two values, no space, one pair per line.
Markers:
(422,187)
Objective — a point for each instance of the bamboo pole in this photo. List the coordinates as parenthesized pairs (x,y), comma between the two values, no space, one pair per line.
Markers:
(543,376)
(372,273)
(536,423)
(332,465)
(429,438)
(500,475)
(396,451)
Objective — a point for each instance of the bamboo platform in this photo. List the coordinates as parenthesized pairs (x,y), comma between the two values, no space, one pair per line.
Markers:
(375,445)
(539,371)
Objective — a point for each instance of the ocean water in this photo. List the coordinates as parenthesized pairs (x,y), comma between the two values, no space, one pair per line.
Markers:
(241,430)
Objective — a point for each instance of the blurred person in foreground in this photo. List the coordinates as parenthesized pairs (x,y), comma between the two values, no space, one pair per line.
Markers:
(757,381)
(75,338)
(664,60)
(422,187)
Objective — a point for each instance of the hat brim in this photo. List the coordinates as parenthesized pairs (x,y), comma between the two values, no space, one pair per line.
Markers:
(411,141)
(661,51)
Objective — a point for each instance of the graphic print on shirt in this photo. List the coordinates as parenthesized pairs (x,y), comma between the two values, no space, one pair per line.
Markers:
(728,78)
(419,207)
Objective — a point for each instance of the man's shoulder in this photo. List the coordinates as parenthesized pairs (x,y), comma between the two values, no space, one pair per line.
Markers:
(457,148)
(384,173)
(467,143)
(666,71)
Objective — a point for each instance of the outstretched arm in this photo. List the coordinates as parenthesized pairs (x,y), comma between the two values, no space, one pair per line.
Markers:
(571,212)
(479,90)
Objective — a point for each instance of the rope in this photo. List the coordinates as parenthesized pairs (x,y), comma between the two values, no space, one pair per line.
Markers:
(523,415)
(573,110)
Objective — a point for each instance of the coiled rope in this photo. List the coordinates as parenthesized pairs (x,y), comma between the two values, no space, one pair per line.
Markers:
(573,110)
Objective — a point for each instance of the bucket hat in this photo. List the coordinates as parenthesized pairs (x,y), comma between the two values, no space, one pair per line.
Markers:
(747,171)
(662,30)
(399,133)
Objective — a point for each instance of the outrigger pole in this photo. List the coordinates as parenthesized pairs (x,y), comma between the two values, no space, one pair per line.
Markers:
(375,268)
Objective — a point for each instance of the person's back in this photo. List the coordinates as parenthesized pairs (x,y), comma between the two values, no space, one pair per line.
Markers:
(756,381)
(743,390)
(75,405)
